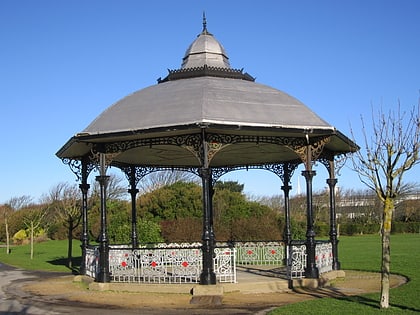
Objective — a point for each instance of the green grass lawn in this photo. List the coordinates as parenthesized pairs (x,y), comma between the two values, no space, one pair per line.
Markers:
(364,253)
(49,256)
(355,252)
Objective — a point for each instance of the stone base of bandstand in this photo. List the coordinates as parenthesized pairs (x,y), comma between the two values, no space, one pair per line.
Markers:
(248,282)
(322,281)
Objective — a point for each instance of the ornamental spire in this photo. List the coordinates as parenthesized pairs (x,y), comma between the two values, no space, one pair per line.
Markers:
(204,32)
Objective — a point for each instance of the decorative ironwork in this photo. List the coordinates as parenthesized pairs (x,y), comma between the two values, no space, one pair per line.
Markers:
(297,258)
(142,171)
(324,256)
(92,261)
(108,158)
(333,164)
(296,261)
(278,169)
(192,141)
(232,139)
(260,253)
(225,264)
(310,151)
(76,167)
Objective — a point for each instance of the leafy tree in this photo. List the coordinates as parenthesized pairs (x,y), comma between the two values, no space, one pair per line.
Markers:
(179,200)
(389,153)
(229,185)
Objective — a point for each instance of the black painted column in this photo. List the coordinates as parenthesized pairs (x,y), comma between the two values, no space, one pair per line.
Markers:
(84,187)
(103,275)
(311,271)
(333,224)
(287,228)
(208,275)
(133,192)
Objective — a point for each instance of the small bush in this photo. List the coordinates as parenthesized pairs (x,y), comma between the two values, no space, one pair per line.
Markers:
(19,237)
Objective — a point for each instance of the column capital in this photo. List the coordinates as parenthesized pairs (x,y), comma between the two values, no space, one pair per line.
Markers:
(332,181)
(308,174)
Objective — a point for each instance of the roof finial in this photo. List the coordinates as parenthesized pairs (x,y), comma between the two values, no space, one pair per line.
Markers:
(204,24)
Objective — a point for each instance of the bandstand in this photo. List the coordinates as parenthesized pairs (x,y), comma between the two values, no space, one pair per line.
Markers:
(209,119)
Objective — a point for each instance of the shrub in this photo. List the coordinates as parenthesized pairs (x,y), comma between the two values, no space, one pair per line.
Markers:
(19,237)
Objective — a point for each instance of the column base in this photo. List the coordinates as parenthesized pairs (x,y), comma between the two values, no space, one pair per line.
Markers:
(207,278)
(312,273)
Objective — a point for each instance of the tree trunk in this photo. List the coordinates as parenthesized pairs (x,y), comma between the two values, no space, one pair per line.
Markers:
(32,240)
(7,236)
(70,244)
(386,251)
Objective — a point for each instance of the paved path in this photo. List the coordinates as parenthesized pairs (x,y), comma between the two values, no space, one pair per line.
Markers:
(14,300)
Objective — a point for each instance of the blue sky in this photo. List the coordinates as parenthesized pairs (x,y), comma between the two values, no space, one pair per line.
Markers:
(63,62)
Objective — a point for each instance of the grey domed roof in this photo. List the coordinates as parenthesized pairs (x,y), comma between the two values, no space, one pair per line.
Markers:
(205,50)
(206,100)
(205,93)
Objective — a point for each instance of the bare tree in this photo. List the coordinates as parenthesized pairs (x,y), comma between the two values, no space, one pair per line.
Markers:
(6,210)
(33,220)
(159,179)
(17,203)
(389,153)
(116,188)
(64,201)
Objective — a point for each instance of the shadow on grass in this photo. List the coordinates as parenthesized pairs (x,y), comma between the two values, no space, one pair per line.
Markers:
(375,303)
(335,293)
(62,261)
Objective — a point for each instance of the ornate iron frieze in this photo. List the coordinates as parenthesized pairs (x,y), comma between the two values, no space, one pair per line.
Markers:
(333,163)
(142,171)
(188,141)
(231,139)
(76,166)
(311,150)
(282,170)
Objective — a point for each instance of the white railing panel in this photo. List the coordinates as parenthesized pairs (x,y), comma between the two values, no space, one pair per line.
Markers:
(324,257)
(260,253)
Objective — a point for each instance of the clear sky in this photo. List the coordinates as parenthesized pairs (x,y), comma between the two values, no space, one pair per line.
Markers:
(63,62)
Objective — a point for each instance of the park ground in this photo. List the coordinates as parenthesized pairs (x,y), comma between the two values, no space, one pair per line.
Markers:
(64,288)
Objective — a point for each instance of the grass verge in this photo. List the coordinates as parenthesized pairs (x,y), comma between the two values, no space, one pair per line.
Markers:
(48,256)
(364,253)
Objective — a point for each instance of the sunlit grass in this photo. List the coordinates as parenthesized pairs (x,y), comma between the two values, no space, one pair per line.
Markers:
(364,253)
(48,256)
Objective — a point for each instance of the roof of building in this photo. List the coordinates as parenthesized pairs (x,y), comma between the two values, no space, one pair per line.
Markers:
(205,92)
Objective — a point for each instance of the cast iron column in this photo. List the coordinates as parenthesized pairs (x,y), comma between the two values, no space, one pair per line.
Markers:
(84,187)
(133,192)
(207,275)
(311,270)
(103,275)
(333,224)
(287,229)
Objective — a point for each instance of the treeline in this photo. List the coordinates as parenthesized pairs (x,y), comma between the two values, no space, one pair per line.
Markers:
(173,213)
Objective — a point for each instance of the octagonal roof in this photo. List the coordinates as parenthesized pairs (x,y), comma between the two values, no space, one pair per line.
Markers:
(205,50)
(205,93)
